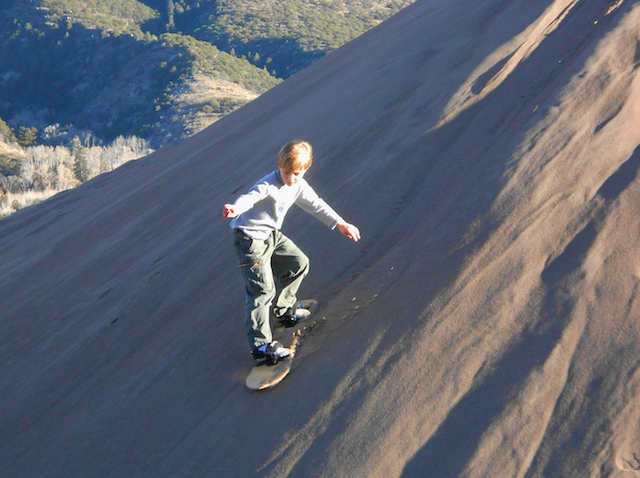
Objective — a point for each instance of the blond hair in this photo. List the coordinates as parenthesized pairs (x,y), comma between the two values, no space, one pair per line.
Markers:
(295,155)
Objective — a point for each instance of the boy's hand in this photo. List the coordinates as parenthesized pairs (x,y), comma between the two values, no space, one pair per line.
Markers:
(349,230)
(229,210)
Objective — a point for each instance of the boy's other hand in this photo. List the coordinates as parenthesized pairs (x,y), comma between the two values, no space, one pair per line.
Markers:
(229,210)
(349,230)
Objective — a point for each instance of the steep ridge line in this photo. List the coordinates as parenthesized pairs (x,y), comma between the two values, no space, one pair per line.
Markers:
(501,63)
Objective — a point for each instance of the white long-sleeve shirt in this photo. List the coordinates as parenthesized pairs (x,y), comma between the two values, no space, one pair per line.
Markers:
(264,207)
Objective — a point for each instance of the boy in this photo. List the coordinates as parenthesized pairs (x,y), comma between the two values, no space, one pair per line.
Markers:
(268,259)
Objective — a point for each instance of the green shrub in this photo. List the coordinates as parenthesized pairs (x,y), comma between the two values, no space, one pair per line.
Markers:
(224,105)
(27,136)
(9,166)
(6,133)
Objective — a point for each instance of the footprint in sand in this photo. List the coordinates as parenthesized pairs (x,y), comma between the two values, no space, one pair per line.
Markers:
(630,462)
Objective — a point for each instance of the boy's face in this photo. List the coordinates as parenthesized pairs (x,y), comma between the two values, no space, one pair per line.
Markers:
(292,177)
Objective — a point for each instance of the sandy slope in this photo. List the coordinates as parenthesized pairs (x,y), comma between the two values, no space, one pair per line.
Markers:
(485,326)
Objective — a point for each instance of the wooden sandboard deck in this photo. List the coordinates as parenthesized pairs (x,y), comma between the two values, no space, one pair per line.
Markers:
(266,376)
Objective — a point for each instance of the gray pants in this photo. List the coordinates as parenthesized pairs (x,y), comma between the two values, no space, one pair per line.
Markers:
(268,266)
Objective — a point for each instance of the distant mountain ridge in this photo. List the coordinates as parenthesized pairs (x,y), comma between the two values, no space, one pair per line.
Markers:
(102,68)
(106,77)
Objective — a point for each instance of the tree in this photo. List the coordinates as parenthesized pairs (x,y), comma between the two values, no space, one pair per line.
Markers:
(80,168)
(65,179)
(170,13)
(27,136)
(9,166)
(6,133)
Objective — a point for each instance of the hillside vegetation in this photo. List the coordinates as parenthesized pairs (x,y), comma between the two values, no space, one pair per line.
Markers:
(92,71)
(119,67)
(286,36)
(100,73)
(31,175)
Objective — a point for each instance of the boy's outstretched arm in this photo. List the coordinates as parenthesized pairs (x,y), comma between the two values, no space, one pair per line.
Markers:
(349,230)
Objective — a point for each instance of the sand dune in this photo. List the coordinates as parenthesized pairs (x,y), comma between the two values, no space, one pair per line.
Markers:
(485,326)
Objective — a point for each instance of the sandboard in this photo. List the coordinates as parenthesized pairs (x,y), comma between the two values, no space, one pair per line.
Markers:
(265,376)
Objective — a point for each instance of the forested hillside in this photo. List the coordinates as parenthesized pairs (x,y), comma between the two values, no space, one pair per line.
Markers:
(121,67)
(83,73)
(62,64)
(286,36)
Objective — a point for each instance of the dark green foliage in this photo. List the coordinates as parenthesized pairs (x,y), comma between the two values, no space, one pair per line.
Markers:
(290,34)
(106,83)
(222,106)
(9,166)
(112,66)
(206,58)
(80,166)
(6,133)
(27,136)
(117,16)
